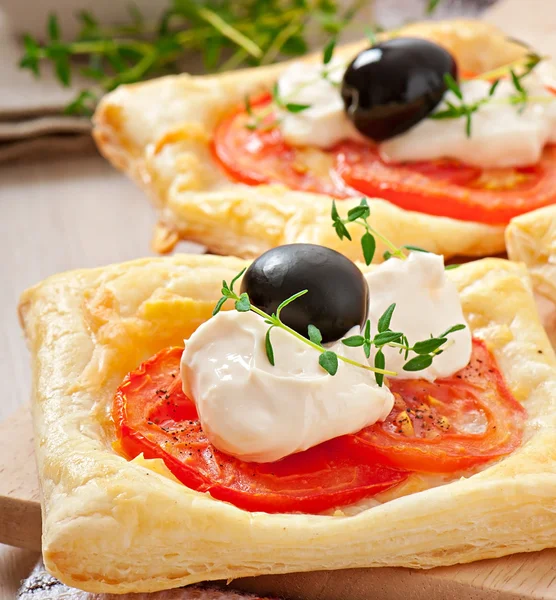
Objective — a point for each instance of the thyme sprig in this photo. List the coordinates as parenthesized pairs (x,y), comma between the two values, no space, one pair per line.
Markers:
(425,350)
(463,109)
(259,120)
(467,110)
(225,33)
(328,360)
(359,215)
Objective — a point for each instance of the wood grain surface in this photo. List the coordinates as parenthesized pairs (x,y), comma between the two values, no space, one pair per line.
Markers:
(63,214)
(58,214)
(528,576)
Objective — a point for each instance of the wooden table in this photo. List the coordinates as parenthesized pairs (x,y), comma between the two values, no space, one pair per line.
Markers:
(78,212)
(57,215)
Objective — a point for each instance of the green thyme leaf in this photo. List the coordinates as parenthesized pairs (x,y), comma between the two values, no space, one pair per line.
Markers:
(493,87)
(243,304)
(415,249)
(368,245)
(516,82)
(387,337)
(328,52)
(341,230)
(268,347)
(368,329)
(428,346)
(276,94)
(453,85)
(354,341)
(431,6)
(453,329)
(296,108)
(219,305)
(329,362)
(63,69)
(367,348)
(289,301)
(236,278)
(248,107)
(468,124)
(418,363)
(362,211)
(53,28)
(380,362)
(450,267)
(314,334)
(384,321)
(334,211)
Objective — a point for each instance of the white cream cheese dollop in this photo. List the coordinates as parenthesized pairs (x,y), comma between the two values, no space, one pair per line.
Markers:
(427,302)
(259,412)
(325,122)
(502,134)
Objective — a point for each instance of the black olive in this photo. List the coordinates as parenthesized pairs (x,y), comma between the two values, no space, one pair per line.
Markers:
(390,87)
(337,299)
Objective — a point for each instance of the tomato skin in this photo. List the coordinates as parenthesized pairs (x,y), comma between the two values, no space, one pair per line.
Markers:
(477,389)
(262,156)
(447,188)
(153,416)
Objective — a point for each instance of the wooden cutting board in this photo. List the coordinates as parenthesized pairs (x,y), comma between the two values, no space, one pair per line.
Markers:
(522,576)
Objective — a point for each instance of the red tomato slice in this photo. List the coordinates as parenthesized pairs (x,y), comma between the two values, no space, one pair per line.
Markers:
(153,416)
(453,423)
(257,156)
(447,188)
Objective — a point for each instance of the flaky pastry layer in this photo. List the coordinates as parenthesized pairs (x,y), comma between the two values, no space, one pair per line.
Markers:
(159,133)
(112,525)
(531,239)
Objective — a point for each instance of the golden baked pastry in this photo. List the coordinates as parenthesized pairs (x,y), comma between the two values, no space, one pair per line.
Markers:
(112,525)
(159,133)
(531,239)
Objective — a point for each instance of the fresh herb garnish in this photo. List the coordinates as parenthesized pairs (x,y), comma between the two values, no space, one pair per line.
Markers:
(466,111)
(328,360)
(432,6)
(359,215)
(462,109)
(226,33)
(425,350)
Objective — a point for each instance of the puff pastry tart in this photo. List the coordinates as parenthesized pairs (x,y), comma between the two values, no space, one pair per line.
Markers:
(306,429)
(245,161)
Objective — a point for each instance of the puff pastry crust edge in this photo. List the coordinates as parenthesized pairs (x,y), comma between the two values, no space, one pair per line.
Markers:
(114,526)
(159,133)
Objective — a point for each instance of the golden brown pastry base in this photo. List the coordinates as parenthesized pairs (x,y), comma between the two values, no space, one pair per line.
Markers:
(116,526)
(159,134)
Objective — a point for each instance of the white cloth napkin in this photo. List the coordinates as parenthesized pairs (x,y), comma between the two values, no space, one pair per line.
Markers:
(31,119)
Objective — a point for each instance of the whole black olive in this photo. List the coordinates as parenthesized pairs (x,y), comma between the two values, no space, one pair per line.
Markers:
(392,86)
(337,299)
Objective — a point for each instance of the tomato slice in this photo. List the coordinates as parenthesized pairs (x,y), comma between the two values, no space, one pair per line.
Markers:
(453,423)
(257,156)
(448,188)
(445,187)
(153,416)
